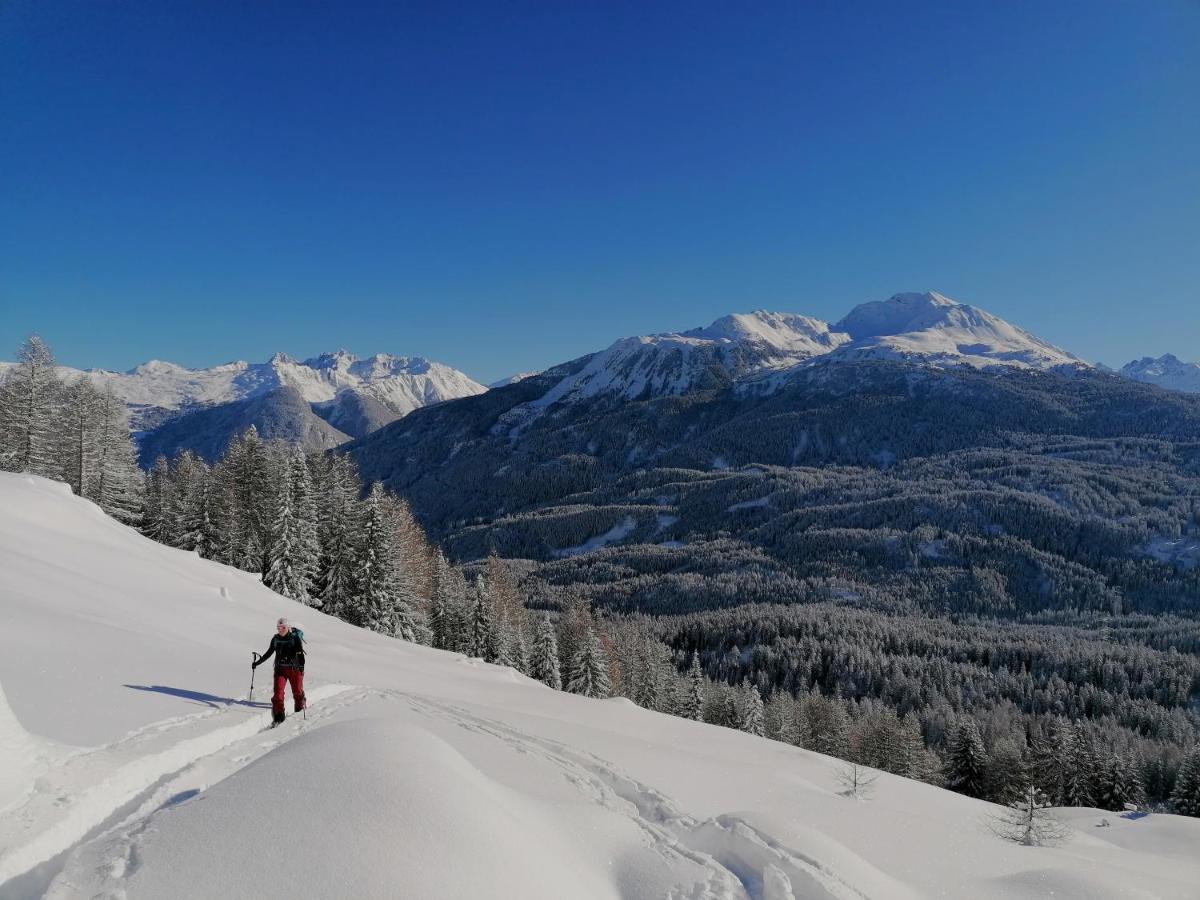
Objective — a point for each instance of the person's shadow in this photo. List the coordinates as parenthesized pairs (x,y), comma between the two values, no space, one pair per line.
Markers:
(197,697)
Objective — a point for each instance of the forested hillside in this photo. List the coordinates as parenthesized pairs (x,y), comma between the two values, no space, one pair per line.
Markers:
(1022,546)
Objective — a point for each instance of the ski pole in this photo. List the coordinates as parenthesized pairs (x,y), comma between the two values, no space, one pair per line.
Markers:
(254,654)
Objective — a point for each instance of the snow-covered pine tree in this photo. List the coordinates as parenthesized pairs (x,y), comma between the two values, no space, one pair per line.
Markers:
(482,639)
(158,486)
(80,437)
(589,670)
(1007,772)
(292,555)
(30,402)
(1029,821)
(337,488)
(1185,798)
(782,720)
(185,475)
(375,578)
(824,725)
(751,710)
(248,475)
(1079,770)
(646,676)
(1117,783)
(119,483)
(967,760)
(543,664)
(693,703)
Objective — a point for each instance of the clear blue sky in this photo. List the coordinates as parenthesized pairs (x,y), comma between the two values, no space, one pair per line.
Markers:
(502,186)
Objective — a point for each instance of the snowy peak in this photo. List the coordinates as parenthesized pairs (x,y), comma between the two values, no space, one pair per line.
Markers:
(1168,371)
(676,363)
(157,390)
(898,314)
(932,328)
(779,334)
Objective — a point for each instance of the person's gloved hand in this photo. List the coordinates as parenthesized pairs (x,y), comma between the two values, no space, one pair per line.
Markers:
(254,665)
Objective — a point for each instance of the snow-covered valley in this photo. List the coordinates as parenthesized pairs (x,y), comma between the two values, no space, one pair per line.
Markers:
(133,764)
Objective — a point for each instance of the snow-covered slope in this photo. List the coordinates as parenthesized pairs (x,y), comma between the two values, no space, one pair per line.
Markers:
(1167,371)
(677,363)
(155,389)
(932,328)
(133,765)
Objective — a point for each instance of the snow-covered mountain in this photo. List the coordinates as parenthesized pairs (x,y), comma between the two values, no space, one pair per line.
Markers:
(157,390)
(680,362)
(1167,372)
(932,328)
(923,328)
(133,764)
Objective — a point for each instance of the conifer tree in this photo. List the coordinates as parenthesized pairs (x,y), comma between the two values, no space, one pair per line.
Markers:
(375,578)
(693,704)
(967,760)
(751,710)
(1117,783)
(483,641)
(30,401)
(158,486)
(1185,799)
(589,669)
(118,484)
(543,663)
(293,552)
(337,526)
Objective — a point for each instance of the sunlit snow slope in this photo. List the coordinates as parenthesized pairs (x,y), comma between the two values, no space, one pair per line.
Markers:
(133,765)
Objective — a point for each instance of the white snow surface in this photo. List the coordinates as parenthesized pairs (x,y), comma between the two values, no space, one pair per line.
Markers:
(402,383)
(133,765)
(931,327)
(1167,371)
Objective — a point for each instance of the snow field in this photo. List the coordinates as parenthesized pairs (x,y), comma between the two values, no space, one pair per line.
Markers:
(132,766)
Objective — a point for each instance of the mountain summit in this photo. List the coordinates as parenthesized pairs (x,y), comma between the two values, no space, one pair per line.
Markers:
(924,328)
(930,327)
(1167,371)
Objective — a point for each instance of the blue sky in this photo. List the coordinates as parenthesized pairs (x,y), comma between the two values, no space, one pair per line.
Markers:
(500,186)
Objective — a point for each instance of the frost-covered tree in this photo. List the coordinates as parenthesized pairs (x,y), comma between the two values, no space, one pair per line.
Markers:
(337,487)
(118,484)
(1117,783)
(857,782)
(750,710)
(79,437)
(483,641)
(967,760)
(1185,799)
(293,553)
(589,669)
(1029,821)
(693,704)
(30,402)
(154,513)
(543,663)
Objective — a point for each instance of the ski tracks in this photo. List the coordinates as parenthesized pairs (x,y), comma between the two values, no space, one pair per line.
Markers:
(741,862)
(112,790)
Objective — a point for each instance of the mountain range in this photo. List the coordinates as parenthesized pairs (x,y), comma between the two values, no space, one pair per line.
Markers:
(333,398)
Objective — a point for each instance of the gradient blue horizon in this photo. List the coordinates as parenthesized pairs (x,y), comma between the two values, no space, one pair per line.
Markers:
(504,186)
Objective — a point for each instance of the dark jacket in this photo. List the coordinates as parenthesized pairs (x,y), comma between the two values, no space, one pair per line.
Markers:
(288,651)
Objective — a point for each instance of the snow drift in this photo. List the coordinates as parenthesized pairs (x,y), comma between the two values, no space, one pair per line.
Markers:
(133,764)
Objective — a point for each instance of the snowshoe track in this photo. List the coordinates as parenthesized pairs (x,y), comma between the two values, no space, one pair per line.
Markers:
(742,862)
(78,800)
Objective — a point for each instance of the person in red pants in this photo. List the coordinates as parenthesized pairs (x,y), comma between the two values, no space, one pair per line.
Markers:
(287,646)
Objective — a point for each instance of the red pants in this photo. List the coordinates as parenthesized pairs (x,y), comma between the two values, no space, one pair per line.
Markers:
(284,676)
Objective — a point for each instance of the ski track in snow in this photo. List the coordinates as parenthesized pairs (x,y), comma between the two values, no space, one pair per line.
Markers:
(742,863)
(72,804)
(87,832)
